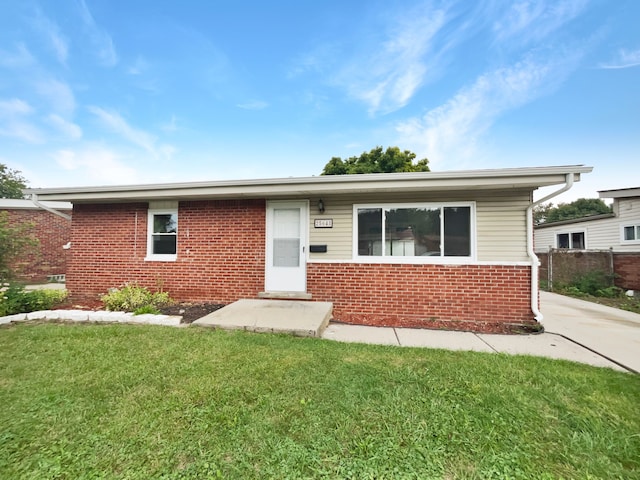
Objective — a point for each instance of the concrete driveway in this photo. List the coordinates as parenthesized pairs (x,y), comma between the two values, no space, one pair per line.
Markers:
(608,331)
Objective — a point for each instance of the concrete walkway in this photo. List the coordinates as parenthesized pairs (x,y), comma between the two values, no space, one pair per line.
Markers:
(575,330)
(303,319)
(611,332)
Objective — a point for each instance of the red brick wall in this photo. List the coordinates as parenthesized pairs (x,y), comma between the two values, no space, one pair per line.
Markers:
(221,250)
(52,233)
(627,269)
(470,297)
(221,255)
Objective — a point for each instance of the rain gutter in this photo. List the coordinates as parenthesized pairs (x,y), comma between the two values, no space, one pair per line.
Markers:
(535,263)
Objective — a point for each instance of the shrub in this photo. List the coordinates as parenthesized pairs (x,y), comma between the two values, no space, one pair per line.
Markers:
(15,299)
(591,282)
(609,292)
(131,297)
(146,309)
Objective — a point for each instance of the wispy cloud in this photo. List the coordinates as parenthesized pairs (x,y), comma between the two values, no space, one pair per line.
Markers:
(58,94)
(253,105)
(98,164)
(99,37)
(623,59)
(18,58)
(531,20)
(119,125)
(140,138)
(15,124)
(67,128)
(15,106)
(138,67)
(56,41)
(390,74)
(450,132)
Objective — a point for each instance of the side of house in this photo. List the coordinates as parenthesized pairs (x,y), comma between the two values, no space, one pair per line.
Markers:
(49,260)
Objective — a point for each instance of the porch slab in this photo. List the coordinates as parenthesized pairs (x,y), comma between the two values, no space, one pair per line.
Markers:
(304,319)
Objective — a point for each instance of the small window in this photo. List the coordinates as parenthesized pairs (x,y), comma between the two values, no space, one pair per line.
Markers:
(574,240)
(631,233)
(162,243)
(418,230)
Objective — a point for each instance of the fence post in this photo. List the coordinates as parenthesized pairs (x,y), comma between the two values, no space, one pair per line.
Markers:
(550,268)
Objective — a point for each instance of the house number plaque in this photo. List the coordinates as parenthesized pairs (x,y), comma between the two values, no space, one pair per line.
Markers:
(323,223)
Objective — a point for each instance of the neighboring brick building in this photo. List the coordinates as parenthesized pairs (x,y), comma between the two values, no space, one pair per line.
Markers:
(52,231)
(441,250)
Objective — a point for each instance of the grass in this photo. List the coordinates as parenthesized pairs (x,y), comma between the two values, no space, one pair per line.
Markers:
(140,402)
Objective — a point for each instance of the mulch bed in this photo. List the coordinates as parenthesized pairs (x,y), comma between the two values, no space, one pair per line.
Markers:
(190,311)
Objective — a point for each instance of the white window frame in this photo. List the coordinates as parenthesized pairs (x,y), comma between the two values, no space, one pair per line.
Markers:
(570,233)
(411,259)
(154,257)
(636,228)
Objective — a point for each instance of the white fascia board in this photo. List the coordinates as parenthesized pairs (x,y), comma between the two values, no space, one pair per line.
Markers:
(620,193)
(21,204)
(512,178)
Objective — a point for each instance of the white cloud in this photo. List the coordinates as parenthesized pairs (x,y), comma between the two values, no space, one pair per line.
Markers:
(119,125)
(139,67)
(623,59)
(386,77)
(253,105)
(140,138)
(171,126)
(101,40)
(13,123)
(58,94)
(21,130)
(449,133)
(15,106)
(532,20)
(69,129)
(97,164)
(57,42)
(19,58)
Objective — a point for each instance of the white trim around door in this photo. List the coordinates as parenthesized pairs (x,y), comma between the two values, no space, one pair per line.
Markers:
(286,258)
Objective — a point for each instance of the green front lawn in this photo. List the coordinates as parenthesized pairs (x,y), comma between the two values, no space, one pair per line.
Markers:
(141,402)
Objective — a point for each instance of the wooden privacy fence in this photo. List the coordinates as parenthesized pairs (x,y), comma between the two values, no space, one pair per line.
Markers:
(562,266)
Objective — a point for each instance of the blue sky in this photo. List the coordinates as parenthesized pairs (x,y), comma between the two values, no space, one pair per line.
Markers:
(96,92)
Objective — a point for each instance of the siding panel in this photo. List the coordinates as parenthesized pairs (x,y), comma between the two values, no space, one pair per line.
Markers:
(500,222)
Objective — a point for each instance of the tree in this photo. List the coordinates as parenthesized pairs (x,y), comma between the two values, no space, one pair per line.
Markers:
(16,240)
(11,183)
(583,207)
(377,161)
(540,212)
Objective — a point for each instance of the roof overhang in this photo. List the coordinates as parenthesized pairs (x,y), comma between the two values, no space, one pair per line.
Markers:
(620,193)
(462,180)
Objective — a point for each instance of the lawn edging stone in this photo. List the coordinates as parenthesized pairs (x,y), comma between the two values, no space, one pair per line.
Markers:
(101,316)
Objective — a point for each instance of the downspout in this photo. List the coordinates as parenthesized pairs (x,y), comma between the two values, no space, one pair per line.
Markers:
(34,199)
(569,178)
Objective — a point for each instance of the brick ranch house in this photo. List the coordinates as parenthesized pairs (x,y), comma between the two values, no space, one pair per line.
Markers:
(447,250)
(53,232)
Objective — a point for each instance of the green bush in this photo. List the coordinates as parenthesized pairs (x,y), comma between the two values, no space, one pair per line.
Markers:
(591,282)
(15,299)
(147,309)
(610,292)
(131,298)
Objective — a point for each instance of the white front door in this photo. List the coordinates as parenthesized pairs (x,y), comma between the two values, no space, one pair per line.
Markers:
(286,269)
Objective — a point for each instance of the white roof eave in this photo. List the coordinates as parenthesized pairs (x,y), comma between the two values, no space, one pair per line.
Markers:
(505,179)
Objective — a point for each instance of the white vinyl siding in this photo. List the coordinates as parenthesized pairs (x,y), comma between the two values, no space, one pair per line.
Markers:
(600,234)
(500,222)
